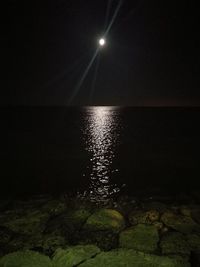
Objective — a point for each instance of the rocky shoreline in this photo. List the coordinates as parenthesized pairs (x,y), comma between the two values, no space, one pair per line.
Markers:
(66,232)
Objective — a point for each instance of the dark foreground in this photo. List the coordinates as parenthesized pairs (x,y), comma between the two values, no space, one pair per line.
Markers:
(63,232)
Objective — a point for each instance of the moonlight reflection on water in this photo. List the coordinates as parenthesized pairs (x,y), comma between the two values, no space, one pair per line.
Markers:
(101,136)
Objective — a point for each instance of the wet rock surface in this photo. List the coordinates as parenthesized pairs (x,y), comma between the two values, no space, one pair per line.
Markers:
(25,258)
(73,256)
(180,223)
(140,237)
(174,243)
(131,258)
(59,232)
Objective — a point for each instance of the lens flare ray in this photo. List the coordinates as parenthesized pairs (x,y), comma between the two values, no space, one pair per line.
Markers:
(101,44)
(78,86)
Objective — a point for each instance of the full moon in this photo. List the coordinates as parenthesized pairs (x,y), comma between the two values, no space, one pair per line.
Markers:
(102,42)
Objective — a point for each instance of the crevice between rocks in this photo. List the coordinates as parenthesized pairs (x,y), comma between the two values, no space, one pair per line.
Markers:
(87,259)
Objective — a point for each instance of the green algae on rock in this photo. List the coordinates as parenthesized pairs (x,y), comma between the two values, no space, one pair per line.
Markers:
(5,235)
(180,223)
(102,229)
(106,240)
(130,258)
(105,219)
(73,256)
(174,243)
(145,217)
(49,243)
(25,259)
(141,237)
(195,213)
(23,242)
(194,242)
(54,207)
(155,205)
(68,224)
(29,224)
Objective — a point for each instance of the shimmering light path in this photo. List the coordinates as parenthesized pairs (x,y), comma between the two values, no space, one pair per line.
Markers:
(101,134)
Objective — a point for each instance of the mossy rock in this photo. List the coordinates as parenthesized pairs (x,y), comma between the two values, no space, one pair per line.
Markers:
(105,240)
(195,213)
(46,244)
(185,210)
(68,224)
(180,223)
(25,259)
(29,224)
(145,217)
(54,207)
(23,242)
(137,217)
(192,211)
(155,205)
(141,237)
(105,219)
(50,243)
(130,258)
(5,235)
(174,243)
(102,229)
(194,242)
(73,256)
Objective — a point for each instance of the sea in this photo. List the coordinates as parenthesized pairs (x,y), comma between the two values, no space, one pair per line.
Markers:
(99,152)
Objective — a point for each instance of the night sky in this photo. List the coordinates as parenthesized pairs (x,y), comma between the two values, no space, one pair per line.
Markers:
(151,56)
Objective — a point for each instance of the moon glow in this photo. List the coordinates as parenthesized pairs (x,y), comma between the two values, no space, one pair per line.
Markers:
(102,42)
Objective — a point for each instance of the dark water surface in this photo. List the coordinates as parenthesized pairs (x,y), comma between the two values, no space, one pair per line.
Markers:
(99,151)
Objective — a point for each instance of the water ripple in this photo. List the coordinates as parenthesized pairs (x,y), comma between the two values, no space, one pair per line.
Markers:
(101,135)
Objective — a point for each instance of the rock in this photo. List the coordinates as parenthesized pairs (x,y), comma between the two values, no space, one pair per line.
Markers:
(19,242)
(25,259)
(180,223)
(159,226)
(54,207)
(192,211)
(155,205)
(73,256)
(125,204)
(46,244)
(185,210)
(153,215)
(24,242)
(164,230)
(49,243)
(105,240)
(130,258)
(137,216)
(147,217)
(102,229)
(68,224)
(32,203)
(194,242)
(195,214)
(141,237)
(105,219)
(29,224)
(174,243)
(5,235)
